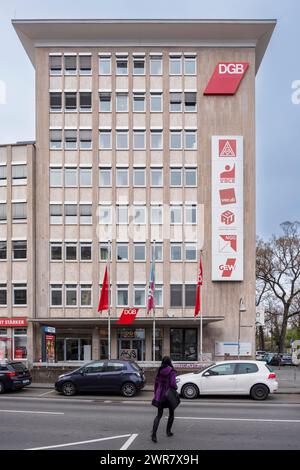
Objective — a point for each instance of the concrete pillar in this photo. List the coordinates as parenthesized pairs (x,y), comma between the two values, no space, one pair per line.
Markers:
(166,341)
(114,343)
(95,344)
(30,344)
(148,340)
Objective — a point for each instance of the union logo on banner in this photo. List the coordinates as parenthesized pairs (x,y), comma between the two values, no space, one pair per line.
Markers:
(128,316)
(227,148)
(227,243)
(227,196)
(228,267)
(228,175)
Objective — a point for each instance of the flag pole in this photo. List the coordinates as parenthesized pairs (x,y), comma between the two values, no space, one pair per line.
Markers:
(154,328)
(109,284)
(201,322)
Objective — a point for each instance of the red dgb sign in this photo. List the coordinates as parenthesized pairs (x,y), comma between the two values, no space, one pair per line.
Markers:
(128,316)
(226,78)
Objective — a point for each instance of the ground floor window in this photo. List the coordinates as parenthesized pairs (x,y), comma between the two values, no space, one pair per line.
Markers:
(158,344)
(183,344)
(3,344)
(73,349)
(20,343)
(103,343)
(131,344)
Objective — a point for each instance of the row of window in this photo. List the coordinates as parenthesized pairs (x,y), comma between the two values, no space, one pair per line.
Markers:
(19,294)
(179,139)
(73,295)
(19,211)
(19,250)
(82,176)
(82,251)
(178,102)
(71,64)
(18,174)
(122,213)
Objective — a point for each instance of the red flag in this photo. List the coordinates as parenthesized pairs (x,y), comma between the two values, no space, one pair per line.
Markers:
(103,302)
(198,292)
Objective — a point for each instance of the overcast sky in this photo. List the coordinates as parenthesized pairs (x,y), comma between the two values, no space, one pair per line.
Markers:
(277,117)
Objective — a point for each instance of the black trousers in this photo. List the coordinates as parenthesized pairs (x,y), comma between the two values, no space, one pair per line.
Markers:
(160,411)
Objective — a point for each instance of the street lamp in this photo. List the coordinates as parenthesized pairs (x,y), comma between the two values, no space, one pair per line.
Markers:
(242,308)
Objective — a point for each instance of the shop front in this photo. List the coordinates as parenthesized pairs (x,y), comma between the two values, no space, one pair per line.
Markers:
(13,339)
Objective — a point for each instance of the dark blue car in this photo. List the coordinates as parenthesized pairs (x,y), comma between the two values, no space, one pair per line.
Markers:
(124,377)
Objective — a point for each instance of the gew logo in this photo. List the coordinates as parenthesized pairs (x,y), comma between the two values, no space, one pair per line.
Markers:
(2,92)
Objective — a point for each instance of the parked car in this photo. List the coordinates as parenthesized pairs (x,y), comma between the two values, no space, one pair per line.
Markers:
(124,377)
(13,376)
(237,377)
(272,359)
(259,355)
(286,359)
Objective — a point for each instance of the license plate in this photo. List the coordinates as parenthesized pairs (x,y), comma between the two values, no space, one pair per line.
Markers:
(26,381)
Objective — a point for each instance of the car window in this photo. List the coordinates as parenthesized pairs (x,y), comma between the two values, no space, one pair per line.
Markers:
(247,368)
(18,366)
(135,366)
(223,369)
(94,368)
(115,366)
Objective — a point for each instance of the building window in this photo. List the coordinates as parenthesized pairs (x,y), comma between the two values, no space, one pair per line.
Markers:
(175,176)
(158,295)
(56,295)
(55,101)
(121,102)
(85,177)
(3,294)
(190,101)
(104,65)
(139,177)
(70,139)
(55,139)
(175,140)
(105,176)
(103,251)
(139,295)
(156,102)
(20,343)
(175,214)
(19,211)
(190,140)
(3,212)
(190,251)
(85,212)
(175,102)
(85,101)
(139,139)
(20,294)
(70,214)
(190,295)
(176,251)
(176,295)
(3,175)
(190,176)
(71,295)
(105,215)
(105,139)
(156,140)
(139,252)
(3,250)
(156,177)
(138,66)
(191,214)
(155,65)
(190,65)
(139,103)
(122,252)
(56,251)
(175,65)
(55,64)
(56,177)
(183,344)
(70,177)
(139,215)
(70,101)
(158,251)
(157,215)
(85,139)
(122,65)
(85,64)
(55,213)
(85,251)
(121,140)
(122,295)
(19,249)
(105,102)
(71,251)
(122,214)
(19,174)
(122,176)
(85,295)
(70,64)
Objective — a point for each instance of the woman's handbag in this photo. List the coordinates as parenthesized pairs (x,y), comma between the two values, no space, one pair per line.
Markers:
(172,397)
(155,403)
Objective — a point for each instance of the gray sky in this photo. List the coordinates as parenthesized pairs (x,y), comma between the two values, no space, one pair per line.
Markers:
(277,118)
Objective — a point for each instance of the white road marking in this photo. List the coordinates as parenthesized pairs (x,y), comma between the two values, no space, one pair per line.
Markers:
(129,442)
(33,412)
(47,393)
(242,419)
(81,442)
(53,400)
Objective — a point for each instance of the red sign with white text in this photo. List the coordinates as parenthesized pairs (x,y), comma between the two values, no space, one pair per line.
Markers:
(128,316)
(13,322)
(226,78)
(227,268)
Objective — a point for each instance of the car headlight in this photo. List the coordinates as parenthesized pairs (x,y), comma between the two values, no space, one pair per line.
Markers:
(61,376)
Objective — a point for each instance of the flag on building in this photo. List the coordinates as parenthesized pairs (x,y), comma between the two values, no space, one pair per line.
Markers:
(151,289)
(104,297)
(198,291)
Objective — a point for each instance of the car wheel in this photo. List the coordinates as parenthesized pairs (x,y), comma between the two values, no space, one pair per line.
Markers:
(259,392)
(128,389)
(190,391)
(2,388)
(68,389)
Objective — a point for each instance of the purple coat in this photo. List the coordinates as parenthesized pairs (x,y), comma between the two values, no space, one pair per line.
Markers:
(164,380)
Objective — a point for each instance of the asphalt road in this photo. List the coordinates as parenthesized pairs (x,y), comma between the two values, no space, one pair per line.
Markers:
(31,421)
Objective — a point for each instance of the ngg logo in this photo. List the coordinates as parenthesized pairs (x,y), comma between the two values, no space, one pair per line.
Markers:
(231,69)
(226,78)
(228,267)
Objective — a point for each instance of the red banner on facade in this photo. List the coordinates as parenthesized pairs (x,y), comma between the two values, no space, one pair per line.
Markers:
(226,78)
(128,316)
(13,322)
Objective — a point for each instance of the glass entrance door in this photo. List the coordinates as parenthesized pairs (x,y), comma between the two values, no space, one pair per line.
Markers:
(133,349)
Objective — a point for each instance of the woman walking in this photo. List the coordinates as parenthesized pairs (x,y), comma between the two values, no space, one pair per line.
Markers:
(165,379)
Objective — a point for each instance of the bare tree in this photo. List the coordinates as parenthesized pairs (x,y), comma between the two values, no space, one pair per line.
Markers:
(278,277)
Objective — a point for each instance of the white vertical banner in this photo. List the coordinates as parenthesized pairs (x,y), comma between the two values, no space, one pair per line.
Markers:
(227,208)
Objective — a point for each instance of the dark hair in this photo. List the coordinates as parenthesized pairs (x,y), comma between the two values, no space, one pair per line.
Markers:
(166,362)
